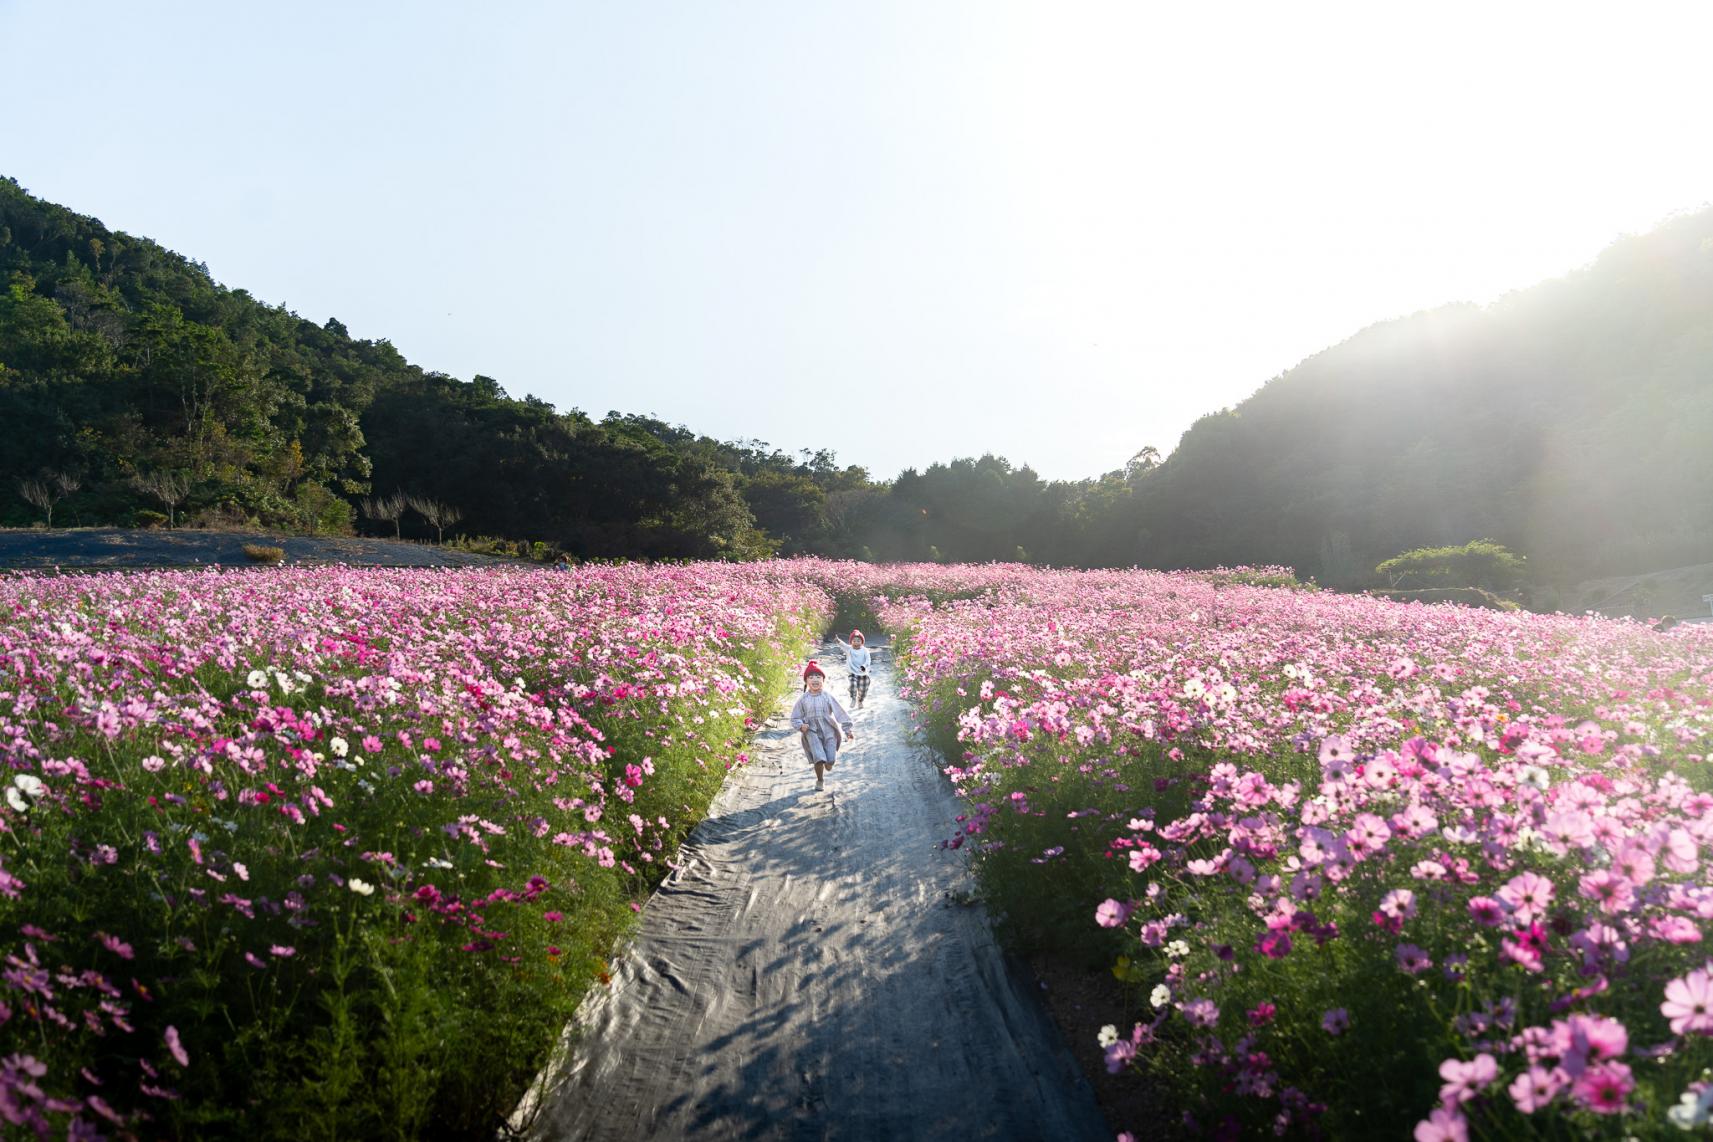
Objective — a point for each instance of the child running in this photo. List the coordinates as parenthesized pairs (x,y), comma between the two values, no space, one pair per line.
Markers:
(858,657)
(819,718)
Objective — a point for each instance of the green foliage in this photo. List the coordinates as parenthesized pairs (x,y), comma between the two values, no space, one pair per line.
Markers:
(1478,563)
(1568,421)
(262,553)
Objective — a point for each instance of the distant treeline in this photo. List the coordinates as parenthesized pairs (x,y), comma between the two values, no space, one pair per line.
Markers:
(1572,422)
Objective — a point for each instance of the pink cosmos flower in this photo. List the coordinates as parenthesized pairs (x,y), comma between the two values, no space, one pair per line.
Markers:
(1536,1087)
(1200,1012)
(1368,834)
(1112,913)
(1335,758)
(1142,856)
(1486,911)
(117,946)
(1465,1080)
(1412,960)
(1674,930)
(1400,904)
(176,1047)
(1636,864)
(1681,854)
(1526,948)
(1528,895)
(1614,893)
(1605,1088)
(1689,1003)
(1445,1124)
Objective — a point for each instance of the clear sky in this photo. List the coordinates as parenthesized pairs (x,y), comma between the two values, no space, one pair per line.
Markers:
(1056,231)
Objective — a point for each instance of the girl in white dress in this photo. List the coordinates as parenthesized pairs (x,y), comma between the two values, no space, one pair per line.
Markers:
(819,718)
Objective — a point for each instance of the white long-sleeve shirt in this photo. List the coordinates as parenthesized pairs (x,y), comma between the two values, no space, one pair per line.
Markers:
(857,658)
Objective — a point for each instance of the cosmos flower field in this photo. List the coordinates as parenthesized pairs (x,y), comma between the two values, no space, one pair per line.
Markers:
(1369,869)
(336,853)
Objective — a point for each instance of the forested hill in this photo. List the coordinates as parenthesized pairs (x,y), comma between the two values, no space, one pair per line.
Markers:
(134,384)
(1572,421)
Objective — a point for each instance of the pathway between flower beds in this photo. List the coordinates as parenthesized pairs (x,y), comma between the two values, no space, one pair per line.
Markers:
(813,970)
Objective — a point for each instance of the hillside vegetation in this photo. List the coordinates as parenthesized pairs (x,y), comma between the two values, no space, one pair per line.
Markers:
(1570,422)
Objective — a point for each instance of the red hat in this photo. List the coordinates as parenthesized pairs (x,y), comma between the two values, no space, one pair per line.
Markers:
(813,668)
(856,634)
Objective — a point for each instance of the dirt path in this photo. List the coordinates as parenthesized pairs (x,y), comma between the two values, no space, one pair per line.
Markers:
(812,971)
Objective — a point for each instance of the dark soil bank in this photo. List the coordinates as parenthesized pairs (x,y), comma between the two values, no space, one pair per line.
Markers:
(120,549)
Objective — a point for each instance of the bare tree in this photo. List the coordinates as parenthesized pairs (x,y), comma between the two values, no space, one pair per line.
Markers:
(167,485)
(440,516)
(388,508)
(49,489)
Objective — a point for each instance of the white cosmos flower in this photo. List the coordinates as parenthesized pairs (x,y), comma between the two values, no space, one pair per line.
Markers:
(1177,948)
(1108,1035)
(1691,1110)
(30,784)
(360,887)
(16,799)
(258,680)
(1160,996)
(339,746)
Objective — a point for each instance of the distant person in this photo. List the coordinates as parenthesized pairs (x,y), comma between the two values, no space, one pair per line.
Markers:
(1666,623)
(564,564)
(819,718)
(858,658)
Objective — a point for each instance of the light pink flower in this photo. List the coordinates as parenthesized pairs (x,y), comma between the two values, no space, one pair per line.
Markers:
(1111,913)
(1400,904)
(1536,1087)
(1528,895)
(1689,1003)
(1445,1124)
(1465,1080)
